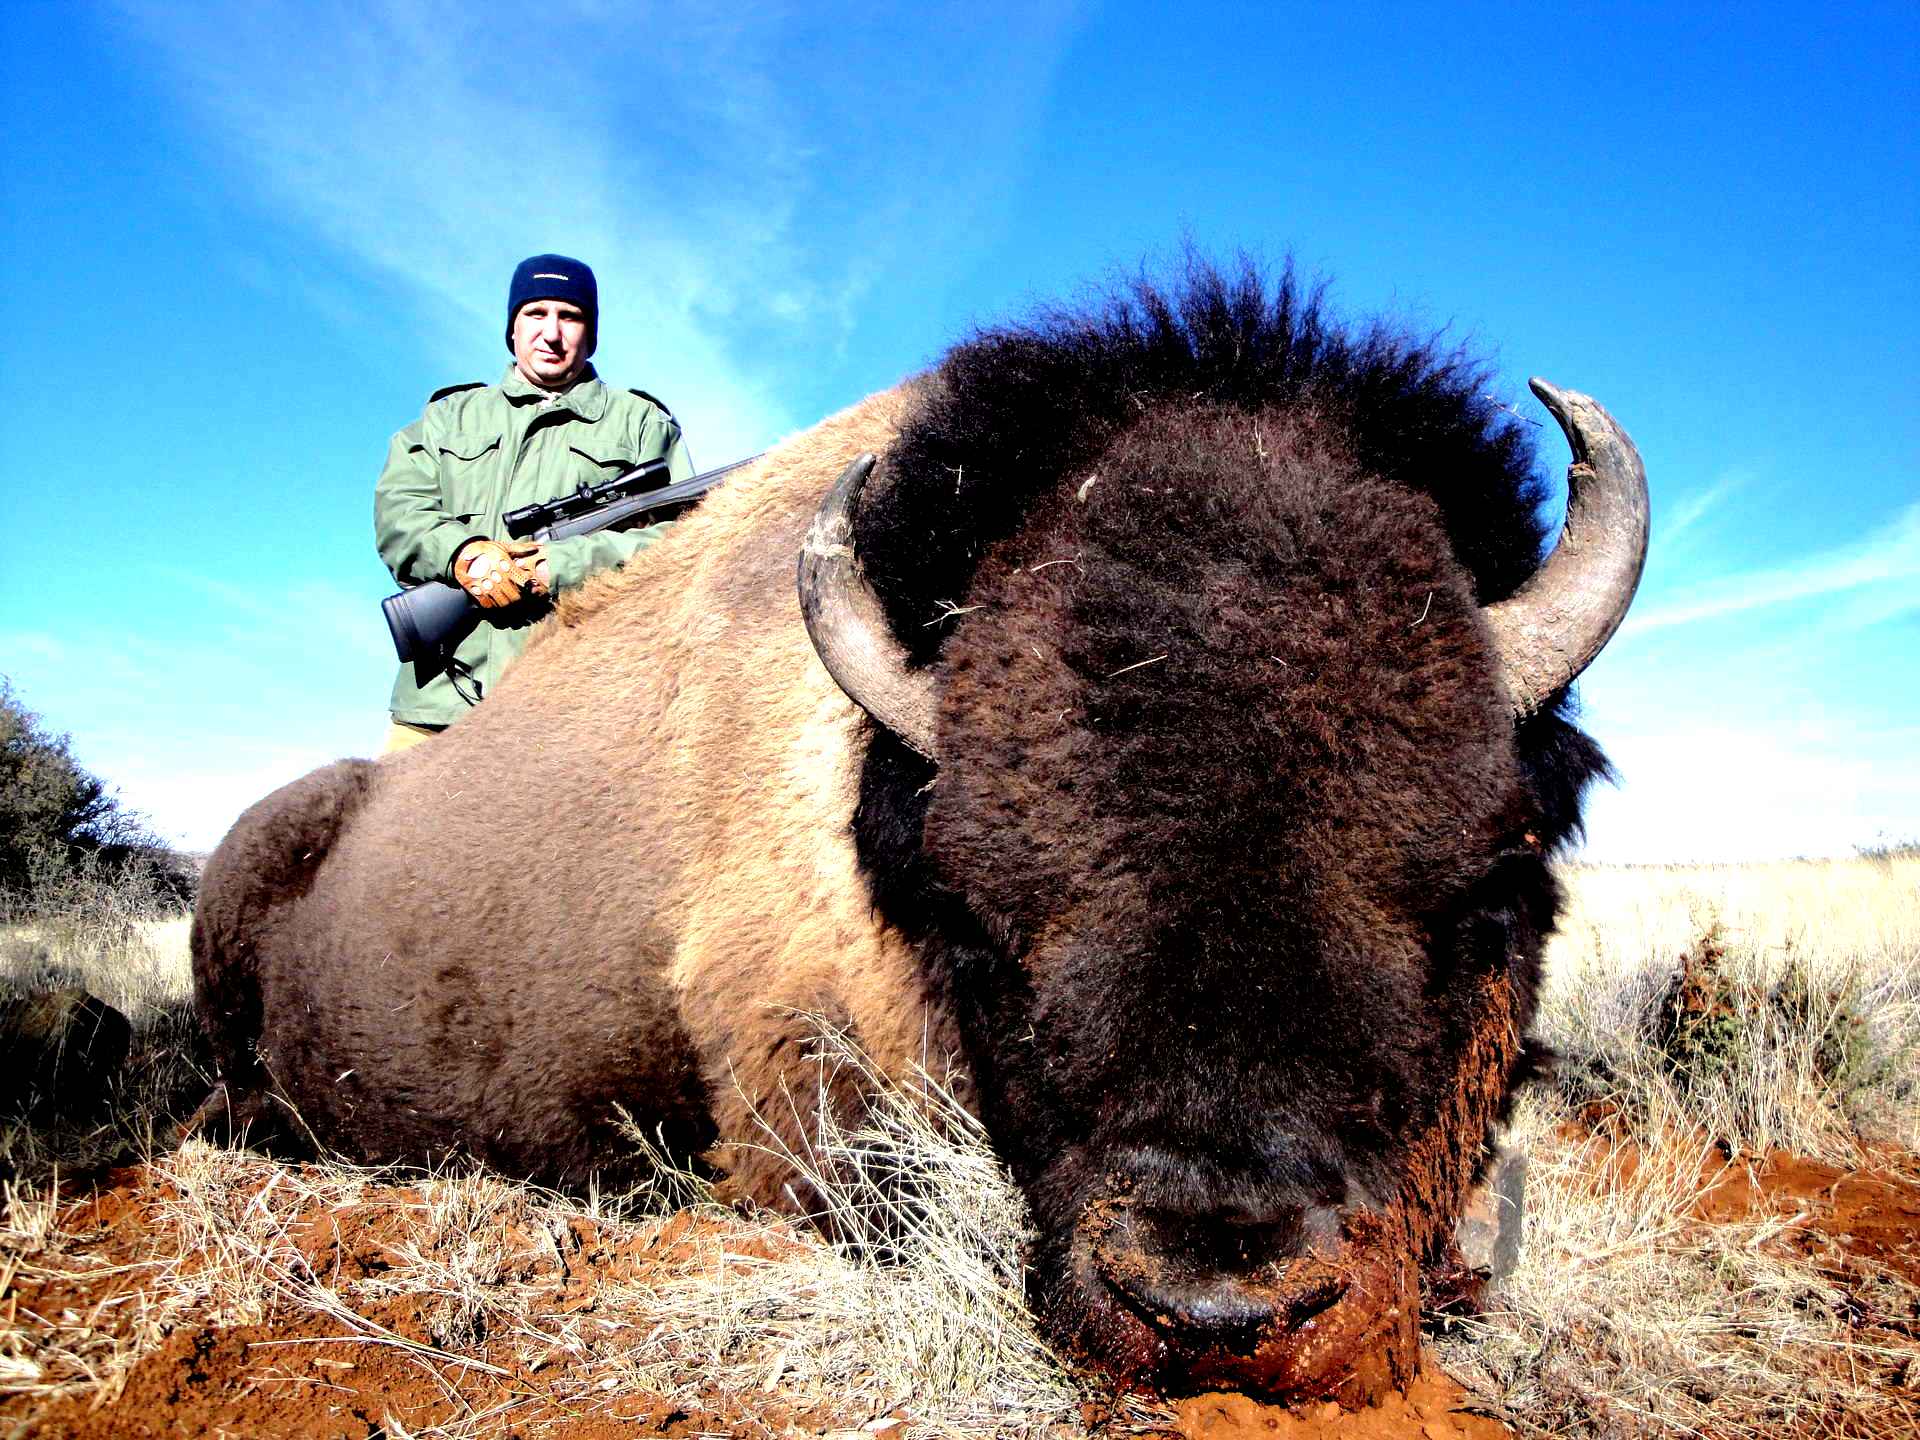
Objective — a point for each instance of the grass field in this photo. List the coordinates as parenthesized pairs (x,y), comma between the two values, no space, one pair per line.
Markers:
(1739,1055)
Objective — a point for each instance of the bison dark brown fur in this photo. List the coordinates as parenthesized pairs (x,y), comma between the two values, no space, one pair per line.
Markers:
(1227,893)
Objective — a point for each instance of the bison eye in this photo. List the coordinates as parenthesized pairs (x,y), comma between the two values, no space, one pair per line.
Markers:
(1516,897)
(1484,936)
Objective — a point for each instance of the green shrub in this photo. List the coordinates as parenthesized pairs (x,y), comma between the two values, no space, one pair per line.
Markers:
(61,827)
(1701,1024)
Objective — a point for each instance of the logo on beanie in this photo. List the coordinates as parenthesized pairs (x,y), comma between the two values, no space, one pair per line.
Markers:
(549,275)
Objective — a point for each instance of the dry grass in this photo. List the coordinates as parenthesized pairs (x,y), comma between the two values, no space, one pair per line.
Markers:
(1628,1315)
(1709,1015)
(917,1310)
(1817,965)
(108,939)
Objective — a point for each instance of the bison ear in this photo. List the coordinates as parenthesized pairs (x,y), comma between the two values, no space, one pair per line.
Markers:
(1553,626)
(848,626)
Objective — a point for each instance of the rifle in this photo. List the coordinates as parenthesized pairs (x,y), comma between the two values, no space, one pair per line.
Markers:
(430,618)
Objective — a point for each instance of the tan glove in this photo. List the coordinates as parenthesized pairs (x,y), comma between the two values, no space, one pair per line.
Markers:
(488,571)
(532,559)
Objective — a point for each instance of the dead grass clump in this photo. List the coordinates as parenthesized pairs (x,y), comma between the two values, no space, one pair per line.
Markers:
(924,1297)
(1707,1018)
(916,1310)
(1631,1314)
(105,935)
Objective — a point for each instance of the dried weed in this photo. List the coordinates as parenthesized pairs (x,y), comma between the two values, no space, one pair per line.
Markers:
(1702,1015)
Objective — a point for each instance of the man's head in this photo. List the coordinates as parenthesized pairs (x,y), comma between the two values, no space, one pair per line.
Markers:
(553,319)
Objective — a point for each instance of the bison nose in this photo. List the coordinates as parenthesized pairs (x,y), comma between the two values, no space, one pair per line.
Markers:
(1220,1279)
(1210,1308)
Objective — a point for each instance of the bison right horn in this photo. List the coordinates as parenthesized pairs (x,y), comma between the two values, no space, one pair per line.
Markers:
(848,626)
(1553,626)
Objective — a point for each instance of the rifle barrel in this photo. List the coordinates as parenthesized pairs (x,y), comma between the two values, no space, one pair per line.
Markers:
(424,619)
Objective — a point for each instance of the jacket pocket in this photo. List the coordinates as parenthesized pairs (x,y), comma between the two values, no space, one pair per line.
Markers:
(466,464)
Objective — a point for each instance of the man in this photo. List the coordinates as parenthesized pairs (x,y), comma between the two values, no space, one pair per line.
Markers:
(480,451)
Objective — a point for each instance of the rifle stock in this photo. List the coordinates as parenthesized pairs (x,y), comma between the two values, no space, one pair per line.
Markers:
(429,619)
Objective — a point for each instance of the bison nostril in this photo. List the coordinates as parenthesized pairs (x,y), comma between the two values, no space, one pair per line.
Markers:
(1306,1300)
(1226,1310)
(1233,1310)
(1211,1305)
(1222,1279)
(1236,1243)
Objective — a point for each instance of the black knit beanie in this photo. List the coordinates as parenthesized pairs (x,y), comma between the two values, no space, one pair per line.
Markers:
(555,277)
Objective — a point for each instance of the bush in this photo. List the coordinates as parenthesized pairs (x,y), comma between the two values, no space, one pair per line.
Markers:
(59,823)
(1886,849)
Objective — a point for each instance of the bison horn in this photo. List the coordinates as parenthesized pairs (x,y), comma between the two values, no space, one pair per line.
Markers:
(848,627)
(1553,626)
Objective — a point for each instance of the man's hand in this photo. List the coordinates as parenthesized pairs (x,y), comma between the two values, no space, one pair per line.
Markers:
(490,573)
(532,559)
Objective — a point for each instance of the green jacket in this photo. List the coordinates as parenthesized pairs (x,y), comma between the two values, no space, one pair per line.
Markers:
(480,451)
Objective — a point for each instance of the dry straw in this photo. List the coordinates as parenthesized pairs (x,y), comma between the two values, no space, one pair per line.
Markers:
(1705,1017)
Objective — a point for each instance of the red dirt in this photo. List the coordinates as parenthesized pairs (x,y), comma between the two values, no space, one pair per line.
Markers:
(1433,1408)
(306,1376)
(1867,1213)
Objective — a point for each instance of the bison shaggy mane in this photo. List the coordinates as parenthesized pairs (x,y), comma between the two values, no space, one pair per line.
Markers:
(1314,829)
(1010,411)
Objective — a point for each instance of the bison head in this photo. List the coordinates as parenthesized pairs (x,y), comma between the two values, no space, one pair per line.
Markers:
(1220,809)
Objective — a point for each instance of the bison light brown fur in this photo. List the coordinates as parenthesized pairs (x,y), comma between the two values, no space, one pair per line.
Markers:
(1208,852)
(484,943)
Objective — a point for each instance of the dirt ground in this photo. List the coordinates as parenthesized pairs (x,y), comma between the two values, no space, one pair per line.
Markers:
(387,1370)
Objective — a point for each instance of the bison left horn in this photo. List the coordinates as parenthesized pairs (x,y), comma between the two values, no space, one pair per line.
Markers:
(848,628)
(1553,626)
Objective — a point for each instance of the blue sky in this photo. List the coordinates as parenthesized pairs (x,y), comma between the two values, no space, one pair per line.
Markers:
(242,243)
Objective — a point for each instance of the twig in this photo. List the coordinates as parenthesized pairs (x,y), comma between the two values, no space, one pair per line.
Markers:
(386,1337)
(950,610)
(1512,410)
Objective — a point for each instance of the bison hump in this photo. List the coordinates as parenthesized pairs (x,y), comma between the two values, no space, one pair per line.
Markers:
(275,848)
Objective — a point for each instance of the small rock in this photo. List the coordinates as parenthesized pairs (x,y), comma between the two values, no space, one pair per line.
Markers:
(1490,1226)
(62,1048)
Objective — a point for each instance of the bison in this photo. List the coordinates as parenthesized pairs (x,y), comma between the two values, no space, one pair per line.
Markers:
(1170,732)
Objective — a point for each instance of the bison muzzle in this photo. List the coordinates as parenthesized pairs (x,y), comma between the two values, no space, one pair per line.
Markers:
(1170,736)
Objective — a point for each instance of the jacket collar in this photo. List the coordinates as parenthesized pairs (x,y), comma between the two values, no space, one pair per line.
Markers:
(586,397)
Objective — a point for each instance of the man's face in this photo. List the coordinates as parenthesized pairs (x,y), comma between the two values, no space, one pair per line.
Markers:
(549,342)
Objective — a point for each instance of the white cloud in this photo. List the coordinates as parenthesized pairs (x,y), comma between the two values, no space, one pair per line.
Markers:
(744,180)
(1688,512)
(736,193)
(1889,554)
(43,648)
(191,723)
(437,148)
(200,804)
(1736,791)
